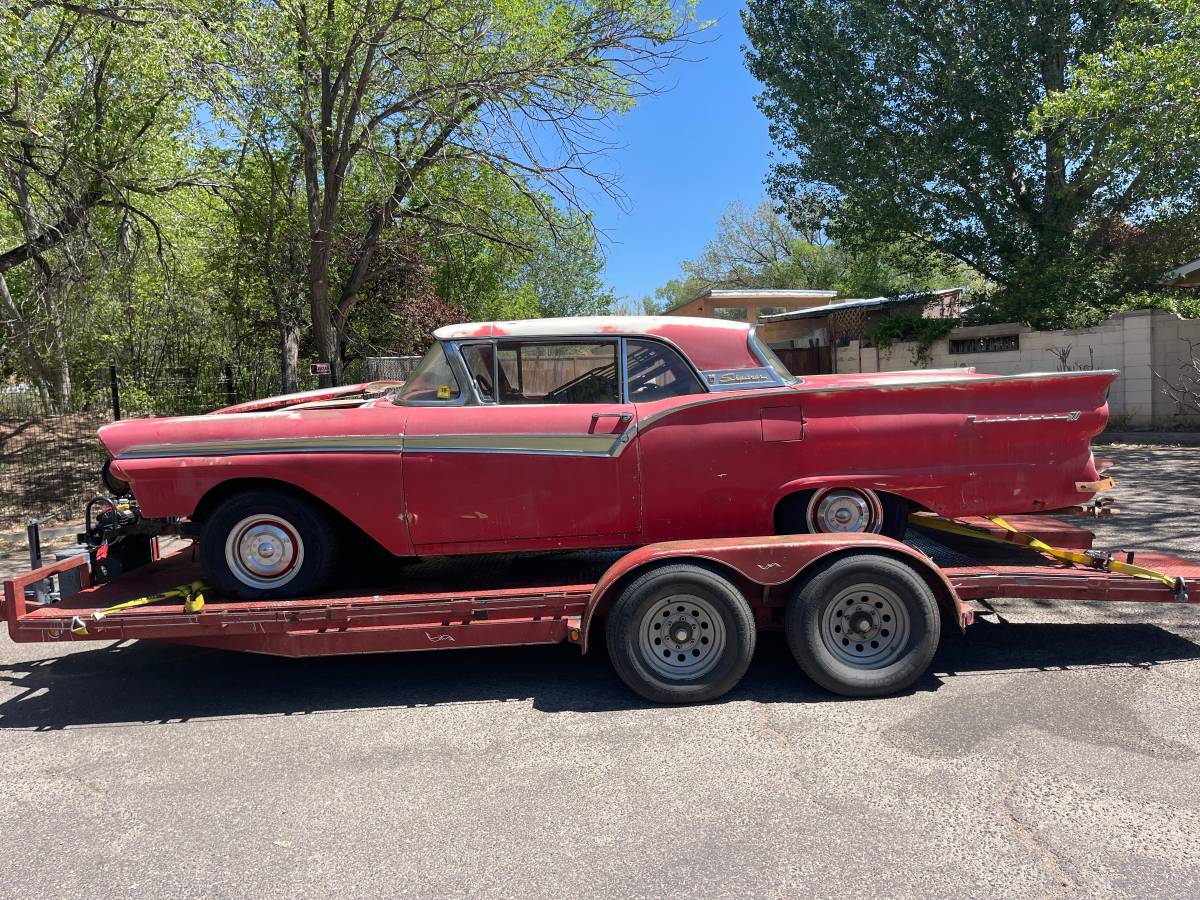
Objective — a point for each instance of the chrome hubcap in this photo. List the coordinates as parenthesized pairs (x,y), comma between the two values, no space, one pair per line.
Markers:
(866,626)
(264,551)
(841,510)
(682,636)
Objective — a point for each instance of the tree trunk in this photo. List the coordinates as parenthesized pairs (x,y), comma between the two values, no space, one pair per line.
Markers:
(318,298)
(42,375)
(289,352)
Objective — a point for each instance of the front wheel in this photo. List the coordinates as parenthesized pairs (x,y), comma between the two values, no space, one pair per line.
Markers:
(264,545)
(681,634)
(864,626)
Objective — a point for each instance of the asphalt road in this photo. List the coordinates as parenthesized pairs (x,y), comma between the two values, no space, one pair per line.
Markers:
(1053,753)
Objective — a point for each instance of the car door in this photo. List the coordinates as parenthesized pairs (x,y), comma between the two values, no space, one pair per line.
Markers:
(543,461)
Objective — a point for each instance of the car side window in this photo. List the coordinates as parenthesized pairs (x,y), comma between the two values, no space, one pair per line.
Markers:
(557,372)
(655,372)
(479,359)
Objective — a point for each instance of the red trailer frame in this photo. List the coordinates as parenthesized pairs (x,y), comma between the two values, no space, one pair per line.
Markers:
(766,570)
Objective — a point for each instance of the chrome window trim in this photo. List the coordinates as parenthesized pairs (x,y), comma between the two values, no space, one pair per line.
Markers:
(478,398)
(696,373)
(496,341)
(585,339)
(756,348)
(623,371)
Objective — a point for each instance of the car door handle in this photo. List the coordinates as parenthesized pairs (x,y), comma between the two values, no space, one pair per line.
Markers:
(624,418)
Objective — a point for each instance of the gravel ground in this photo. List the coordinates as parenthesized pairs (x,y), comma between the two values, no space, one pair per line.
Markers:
(1053,753)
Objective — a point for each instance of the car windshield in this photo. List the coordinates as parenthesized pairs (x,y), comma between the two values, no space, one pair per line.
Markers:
(432,381)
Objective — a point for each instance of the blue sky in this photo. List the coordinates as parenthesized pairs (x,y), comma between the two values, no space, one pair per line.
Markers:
(684,156)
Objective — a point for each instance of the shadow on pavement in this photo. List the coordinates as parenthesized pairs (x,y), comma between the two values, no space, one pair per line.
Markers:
(146,683)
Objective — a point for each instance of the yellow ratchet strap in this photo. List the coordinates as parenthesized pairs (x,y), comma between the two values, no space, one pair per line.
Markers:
(191,594)
(1092,559)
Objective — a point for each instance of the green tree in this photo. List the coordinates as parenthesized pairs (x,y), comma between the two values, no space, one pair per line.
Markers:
(92,103)
(766,248)
(923,117)
(1143,91)
(546,261)
(382,99)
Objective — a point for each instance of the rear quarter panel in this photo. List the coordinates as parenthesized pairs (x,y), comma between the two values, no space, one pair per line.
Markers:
(962,447)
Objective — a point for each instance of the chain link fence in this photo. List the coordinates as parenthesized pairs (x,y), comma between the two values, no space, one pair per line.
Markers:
(50,458)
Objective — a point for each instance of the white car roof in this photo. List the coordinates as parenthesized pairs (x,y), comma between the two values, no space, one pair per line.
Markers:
(582,325)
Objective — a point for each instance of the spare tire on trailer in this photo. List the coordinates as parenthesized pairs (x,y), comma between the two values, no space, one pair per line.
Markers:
(863,625)
(267,544)
(680,633)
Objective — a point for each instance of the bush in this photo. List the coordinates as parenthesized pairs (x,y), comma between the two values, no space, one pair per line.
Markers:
(924,332)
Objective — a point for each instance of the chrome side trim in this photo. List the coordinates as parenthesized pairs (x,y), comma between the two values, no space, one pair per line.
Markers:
(572,444)
(1049,417)
(899,384)
(741,379)
(556,444)
(626,438)
(331,444)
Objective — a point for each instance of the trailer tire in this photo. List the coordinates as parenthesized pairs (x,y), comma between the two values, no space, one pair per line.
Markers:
(698,622)
(865,625)
(266,545)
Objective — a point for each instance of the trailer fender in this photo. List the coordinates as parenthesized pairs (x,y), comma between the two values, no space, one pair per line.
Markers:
(765,561)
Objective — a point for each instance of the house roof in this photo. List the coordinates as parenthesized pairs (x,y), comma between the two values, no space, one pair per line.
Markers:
(757,294)
(867,303)
(1186,275)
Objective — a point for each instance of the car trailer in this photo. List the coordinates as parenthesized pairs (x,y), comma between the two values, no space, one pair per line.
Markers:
(863,613)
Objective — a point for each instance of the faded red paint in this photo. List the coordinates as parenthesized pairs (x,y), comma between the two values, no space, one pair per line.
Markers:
(694,467)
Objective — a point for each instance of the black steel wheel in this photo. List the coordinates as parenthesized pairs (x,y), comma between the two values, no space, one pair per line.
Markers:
(680,634)
(864,625)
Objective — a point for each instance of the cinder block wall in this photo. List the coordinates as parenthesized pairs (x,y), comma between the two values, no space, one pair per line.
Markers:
(1146,346)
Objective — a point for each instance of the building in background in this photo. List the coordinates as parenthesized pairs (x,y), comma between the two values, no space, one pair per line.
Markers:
(1184,276)
(750,304)
(805,327)
(807,339)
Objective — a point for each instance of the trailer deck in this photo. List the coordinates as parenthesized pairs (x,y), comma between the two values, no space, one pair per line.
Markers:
(508,601)
(440,613)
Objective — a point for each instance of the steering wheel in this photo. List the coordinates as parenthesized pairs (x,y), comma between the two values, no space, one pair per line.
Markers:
(485,386)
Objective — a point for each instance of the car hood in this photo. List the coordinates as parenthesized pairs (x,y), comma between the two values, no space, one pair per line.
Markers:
(346,395)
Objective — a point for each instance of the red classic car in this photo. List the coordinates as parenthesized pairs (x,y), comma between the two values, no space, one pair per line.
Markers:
(602,432)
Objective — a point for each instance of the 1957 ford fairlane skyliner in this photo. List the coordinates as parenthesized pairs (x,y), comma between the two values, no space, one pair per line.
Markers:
(601,432)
